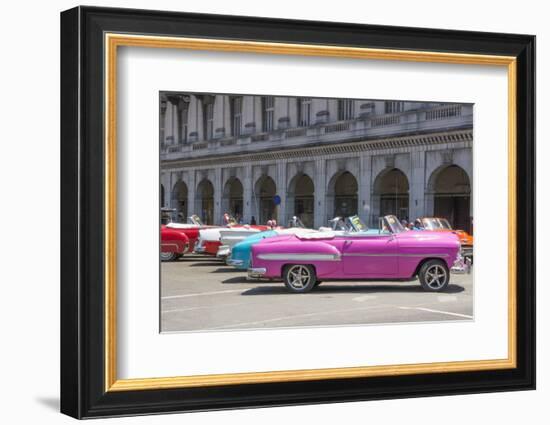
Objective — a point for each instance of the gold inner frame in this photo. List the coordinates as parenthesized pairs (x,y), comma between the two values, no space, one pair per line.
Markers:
(113,41)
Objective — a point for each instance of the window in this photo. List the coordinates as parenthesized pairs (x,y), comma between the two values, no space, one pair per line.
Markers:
(393,107)
(268,112)
(208,120)
(236,115)
(304,111)
(346,110)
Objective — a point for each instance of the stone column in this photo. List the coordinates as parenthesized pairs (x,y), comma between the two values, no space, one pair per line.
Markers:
(191,194)
(218,189)
(176,107)
(199,117)
(364,187)
(193,119)
(166,183)
(219,111)
(292,111)
(417,185)
(281,191)
(320,216)
(332,107)
(247,193)
(227,124)
(257,113)
(172,199)
(169,123)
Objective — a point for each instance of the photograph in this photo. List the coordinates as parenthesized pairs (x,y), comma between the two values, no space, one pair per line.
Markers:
(280,210)
(286,211)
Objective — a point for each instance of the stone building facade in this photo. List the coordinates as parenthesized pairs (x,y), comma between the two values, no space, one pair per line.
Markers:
(264,157)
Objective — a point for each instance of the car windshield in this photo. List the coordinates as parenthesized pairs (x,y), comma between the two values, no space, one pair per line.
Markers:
(390,223)
(434,223)
(229,219)
(296,222)
(337,223)
(194,219)
(355,224)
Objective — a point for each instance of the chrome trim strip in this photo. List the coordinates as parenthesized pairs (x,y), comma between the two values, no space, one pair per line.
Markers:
(256,272)
(300,257)
(360,254)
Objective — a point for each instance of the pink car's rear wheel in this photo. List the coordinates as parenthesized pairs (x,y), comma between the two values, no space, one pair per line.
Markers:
(299,278)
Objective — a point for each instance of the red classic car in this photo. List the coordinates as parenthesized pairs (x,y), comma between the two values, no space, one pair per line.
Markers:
(190,229)
(173,244)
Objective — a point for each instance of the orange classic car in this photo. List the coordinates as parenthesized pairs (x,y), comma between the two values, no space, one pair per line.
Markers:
(438,224)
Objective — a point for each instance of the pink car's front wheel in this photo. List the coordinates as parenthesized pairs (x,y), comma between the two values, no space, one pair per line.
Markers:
(299,278)
(434,276)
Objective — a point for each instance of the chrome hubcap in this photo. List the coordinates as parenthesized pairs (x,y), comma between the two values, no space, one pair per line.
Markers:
(436,277)
(299,277)
(165,255)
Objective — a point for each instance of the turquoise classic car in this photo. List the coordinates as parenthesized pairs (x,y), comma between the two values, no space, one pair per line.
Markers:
(240,253)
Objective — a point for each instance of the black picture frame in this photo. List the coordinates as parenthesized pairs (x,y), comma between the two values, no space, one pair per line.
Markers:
(83,392)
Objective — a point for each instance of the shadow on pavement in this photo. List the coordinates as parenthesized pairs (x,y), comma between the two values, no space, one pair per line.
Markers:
(226,270)
(211,263)
(362,289)
(188,258)
(238,279)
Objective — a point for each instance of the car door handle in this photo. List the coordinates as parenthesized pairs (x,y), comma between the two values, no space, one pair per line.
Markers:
(347,243)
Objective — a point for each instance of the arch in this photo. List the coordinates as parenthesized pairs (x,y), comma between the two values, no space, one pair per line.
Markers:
(342,195)
(449,196)
(391,194)
(205,200)
(179,200)
(232,199)
(300,198)
(265,190)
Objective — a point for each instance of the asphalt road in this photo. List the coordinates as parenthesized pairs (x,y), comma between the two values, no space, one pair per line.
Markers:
(200,293)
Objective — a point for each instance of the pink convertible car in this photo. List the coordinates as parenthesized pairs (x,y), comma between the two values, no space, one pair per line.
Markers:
(388,253)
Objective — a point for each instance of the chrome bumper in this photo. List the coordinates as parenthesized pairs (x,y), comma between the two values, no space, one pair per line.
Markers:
(235,263)
(462,265)
(199,249)
(467,251)
(223,251)
(256,272)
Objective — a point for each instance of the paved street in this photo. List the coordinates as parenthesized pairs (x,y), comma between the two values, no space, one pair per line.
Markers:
(200,293)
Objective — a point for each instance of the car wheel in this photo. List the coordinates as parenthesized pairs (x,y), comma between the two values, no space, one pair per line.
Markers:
(168,256)
(299,278)
(434,276)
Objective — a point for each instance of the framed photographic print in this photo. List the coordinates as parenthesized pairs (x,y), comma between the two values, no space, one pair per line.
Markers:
(261,212)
